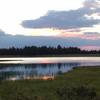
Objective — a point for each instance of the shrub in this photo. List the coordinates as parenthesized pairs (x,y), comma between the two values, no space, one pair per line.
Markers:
(76,93)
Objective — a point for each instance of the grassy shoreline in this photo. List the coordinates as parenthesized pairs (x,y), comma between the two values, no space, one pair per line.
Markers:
(29,89)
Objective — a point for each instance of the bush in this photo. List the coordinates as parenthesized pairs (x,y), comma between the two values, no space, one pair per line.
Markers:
(76,93)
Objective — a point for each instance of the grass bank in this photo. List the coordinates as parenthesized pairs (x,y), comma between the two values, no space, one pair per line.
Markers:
(85,80)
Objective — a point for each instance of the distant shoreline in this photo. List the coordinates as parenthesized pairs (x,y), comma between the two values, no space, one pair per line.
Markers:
(66,55)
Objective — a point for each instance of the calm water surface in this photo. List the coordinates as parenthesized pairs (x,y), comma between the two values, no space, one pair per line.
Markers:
(41,68)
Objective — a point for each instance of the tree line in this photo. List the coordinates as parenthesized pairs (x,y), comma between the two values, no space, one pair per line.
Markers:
(44,50)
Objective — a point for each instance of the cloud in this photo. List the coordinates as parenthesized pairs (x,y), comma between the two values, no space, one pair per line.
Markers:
(21,41)
(91,33)
(2,33)
(67,19)
(92,4)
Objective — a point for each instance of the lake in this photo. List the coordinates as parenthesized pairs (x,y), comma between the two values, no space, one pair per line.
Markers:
(41,67)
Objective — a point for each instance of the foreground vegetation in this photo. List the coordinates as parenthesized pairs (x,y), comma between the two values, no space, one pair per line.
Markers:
(79,84)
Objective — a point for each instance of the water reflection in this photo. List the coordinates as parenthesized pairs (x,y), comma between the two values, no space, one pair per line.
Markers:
(34,71)
(41,67)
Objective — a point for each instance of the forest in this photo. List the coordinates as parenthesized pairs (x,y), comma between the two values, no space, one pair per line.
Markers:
(44,50)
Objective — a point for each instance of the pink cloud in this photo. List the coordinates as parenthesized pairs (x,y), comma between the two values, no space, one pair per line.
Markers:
(91,35)
(90,47)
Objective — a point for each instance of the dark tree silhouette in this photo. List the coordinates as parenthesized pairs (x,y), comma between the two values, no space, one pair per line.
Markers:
(44,50)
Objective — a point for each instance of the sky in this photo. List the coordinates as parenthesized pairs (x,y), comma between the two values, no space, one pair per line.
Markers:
(13,12)
(64,20)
